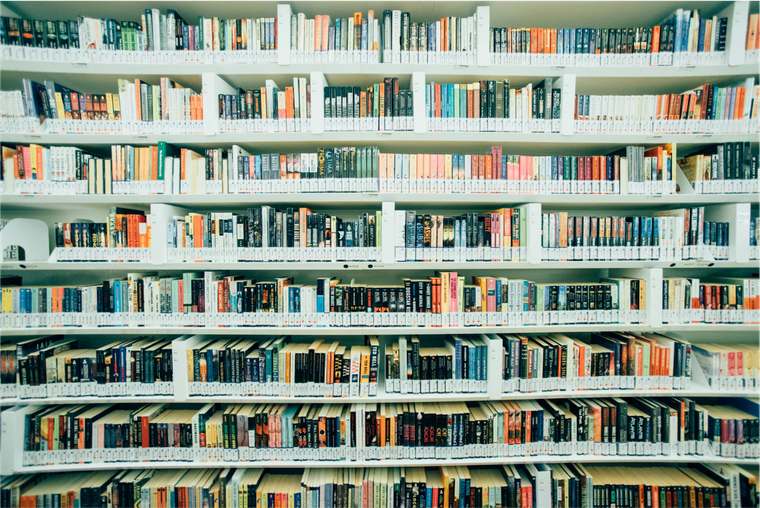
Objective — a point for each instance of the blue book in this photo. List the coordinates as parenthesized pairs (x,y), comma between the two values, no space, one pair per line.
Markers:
(255,366)
(570,42)
(701,40)
(560,41)
(452,101)
(268,365)
(444,101)
(656,231)
(257,166)
(209,366)
(578,41)
(555,170)
(636,229)
(610,168)
(117,296)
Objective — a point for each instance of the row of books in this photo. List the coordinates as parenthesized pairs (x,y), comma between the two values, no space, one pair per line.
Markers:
(674,426)
(124,229)
(58,367)
(350,40)
(216,298)
(673,236)
(716,173)
(277,366)
(705,109)
(513,486)
(500,235)
(270,103)
(609,360)
(154,32)
(727,300)
(167,169)
(491,105)
(141,108)
(268,234)
(684,32)
(379,107)
(450,40)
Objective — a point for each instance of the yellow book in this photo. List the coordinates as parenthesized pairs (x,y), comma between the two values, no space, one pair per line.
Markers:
(364,378)
(445,291)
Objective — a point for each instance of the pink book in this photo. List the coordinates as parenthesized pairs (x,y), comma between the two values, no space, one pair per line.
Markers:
(441,166)
(454,304)
(491,294)
(731,363)
(381,166)
(496,231)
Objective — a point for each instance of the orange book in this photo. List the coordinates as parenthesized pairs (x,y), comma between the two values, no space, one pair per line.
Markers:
(752,32)
(739,107)
(563,229)
(547,41)
(154,164)
(283,167)
(539,40)
(317,32)
(142,226)
(595,169)
(533,40)
(655,40)
(289,107)
(182,155)
(197,231)
(137,100)
(325,30)
(426,167)
(692,106)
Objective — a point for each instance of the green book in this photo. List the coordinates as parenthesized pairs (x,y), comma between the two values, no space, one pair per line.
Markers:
(165,150)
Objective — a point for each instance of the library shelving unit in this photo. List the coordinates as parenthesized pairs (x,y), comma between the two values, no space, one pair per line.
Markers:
(99,71)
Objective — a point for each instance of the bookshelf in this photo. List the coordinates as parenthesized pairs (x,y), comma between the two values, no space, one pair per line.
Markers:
(219,72)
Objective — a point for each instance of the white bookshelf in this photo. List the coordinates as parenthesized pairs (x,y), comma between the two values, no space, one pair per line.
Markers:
(102,75)
(383,397)
(378,70)
(343,200)
(284,464)
(402,141)
(389,330)
(349,266)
